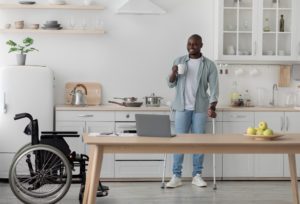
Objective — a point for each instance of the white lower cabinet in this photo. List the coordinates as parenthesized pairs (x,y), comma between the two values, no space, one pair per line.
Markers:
(150,166)
(269,165)
(291,125)
(237,165)
(5,158)
(87,121)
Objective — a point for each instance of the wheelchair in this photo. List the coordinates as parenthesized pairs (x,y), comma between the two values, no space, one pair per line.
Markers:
(41,171)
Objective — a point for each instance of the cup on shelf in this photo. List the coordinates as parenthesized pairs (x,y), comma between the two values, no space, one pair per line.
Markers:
(7,26)
(35,26)
(19,24)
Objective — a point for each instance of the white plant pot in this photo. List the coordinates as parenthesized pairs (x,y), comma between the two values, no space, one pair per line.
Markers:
(21,59)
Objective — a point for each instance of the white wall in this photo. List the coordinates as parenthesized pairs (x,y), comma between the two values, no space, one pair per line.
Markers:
(135,56)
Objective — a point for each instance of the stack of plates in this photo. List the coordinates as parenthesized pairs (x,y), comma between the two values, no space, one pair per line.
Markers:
(52,25)
(27,2)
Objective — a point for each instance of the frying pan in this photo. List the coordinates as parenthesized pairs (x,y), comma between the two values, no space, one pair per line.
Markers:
(127,99)
(128,104)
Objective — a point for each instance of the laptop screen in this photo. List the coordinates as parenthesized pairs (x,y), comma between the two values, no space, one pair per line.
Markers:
(153,125)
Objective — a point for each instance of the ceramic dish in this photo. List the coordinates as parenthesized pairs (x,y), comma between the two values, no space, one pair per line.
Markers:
(27,2)
(46,28)
(51,25)
(264,137)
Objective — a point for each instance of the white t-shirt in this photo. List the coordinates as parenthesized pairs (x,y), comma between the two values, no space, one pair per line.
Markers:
(191,83)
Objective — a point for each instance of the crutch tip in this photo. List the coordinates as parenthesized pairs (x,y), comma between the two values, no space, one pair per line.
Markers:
(215,187)
(162,186)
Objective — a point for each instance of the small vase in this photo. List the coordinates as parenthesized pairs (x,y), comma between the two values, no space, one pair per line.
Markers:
(21,59)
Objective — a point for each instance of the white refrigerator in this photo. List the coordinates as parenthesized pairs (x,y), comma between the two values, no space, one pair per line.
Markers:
(23,89)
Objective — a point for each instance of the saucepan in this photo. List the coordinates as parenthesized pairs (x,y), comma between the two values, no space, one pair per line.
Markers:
(128,104)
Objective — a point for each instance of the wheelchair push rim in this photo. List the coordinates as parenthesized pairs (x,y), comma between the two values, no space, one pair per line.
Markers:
(48,180)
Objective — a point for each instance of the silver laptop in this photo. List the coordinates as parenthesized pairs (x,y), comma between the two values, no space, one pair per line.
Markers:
(153,125)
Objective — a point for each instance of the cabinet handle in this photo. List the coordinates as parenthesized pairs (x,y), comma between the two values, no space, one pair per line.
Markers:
(4,104)
(255,48)
(239,116)
(282,123)
(86,116)
(127,116)
(286,123)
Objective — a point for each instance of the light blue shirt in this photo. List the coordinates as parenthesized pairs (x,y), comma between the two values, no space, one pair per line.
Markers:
(207,77)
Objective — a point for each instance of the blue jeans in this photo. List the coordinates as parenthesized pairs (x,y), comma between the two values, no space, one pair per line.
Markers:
(184,122)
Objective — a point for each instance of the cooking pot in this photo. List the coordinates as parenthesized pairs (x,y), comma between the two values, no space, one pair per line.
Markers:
(128,104)
(78,97)
(152,101)
(127,99)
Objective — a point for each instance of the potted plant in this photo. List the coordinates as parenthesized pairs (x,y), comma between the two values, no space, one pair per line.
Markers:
(22,49)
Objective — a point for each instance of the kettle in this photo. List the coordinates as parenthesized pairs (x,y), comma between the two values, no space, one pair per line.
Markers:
(78,97)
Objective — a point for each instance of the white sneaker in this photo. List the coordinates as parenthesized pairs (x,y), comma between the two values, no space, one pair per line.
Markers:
(174,182)
(198,181)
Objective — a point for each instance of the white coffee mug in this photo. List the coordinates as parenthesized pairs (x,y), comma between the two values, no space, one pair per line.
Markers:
(181,68)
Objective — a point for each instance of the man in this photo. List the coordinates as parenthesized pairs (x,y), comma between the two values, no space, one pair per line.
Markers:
(192,102)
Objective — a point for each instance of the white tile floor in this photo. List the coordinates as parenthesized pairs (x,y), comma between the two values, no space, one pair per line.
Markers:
(228,192)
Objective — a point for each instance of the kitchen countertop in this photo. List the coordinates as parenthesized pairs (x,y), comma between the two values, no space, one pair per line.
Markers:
(110,107)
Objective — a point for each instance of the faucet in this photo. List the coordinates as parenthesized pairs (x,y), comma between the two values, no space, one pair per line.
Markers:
(275,88)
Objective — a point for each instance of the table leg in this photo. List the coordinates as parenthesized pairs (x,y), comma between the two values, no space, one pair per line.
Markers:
(93,172)
(294,182)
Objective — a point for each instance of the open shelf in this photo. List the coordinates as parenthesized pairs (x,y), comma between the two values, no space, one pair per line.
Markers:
(63,31)
(51,6)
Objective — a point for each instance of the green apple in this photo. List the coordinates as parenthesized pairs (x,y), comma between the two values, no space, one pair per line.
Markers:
(268,132)
(251,131)
(262,125)
(259,132)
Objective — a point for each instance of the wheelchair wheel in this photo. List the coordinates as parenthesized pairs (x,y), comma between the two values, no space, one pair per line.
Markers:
(40,174)
(22,148)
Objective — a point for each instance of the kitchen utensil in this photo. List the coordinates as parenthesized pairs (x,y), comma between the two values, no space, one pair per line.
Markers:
(284,76)
(152,100)
(128,104)
(127,99)
(78,97)
(94,92)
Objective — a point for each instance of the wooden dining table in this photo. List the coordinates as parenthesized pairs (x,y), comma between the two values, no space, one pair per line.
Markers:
(186,143)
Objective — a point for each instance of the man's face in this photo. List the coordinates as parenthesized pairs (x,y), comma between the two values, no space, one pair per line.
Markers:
(194,46)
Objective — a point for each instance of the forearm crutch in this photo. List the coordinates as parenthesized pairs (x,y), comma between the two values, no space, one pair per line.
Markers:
(164,171)
(214,156)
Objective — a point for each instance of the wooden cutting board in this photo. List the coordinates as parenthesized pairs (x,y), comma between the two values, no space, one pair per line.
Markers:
(284,76)
(94,92)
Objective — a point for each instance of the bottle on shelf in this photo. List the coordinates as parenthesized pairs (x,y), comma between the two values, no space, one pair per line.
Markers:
(281,24)
(247,99)
(234,95)
(266,25)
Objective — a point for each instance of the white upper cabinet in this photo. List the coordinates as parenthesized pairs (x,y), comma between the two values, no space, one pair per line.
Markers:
(260,30)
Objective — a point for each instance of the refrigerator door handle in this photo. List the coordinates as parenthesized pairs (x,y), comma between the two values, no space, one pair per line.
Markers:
(4,110)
